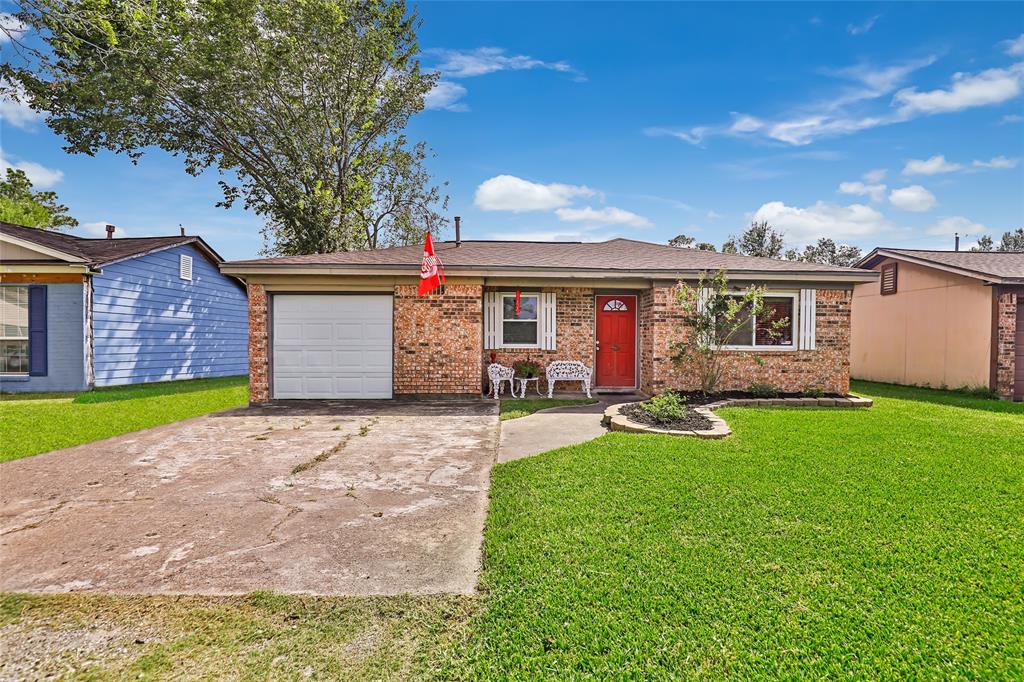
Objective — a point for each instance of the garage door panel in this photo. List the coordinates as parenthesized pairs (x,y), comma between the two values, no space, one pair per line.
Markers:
(332,346)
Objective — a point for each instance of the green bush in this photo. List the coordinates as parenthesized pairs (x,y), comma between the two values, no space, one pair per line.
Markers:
(763,390)
(526,368)
(665,407)
(812,392)
(979,392)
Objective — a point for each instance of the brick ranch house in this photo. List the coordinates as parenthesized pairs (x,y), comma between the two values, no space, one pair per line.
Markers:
(941,318)
(350,325)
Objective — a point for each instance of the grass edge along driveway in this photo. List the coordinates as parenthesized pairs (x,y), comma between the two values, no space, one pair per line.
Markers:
(877,543)
(35,423)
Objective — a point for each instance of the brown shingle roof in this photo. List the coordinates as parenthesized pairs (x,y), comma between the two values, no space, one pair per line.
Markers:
(101,251)
(1001,266)
(625,255)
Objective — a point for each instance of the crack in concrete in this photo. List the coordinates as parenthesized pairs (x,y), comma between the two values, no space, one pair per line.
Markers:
(35,524)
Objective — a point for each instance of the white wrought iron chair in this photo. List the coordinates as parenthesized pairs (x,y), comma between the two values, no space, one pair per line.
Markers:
(568,370)
(498,375)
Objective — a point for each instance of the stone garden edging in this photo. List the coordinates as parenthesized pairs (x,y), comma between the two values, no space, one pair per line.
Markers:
(719,429)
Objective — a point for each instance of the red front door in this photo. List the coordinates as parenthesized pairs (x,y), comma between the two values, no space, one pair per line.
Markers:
(616,341)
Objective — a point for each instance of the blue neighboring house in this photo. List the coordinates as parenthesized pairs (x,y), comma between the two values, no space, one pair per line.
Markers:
(77,313)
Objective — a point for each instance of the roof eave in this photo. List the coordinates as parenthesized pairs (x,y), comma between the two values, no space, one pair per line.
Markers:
(244,270)
(877,255)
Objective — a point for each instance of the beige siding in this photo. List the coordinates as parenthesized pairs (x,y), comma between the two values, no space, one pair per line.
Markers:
(936,330)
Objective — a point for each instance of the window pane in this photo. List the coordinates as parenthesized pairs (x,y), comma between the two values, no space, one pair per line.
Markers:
(519,332)
(527,308)
(13,357)
(775,323)
(14,312)
(743,324)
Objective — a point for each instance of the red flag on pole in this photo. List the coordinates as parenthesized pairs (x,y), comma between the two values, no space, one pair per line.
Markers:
(431,269)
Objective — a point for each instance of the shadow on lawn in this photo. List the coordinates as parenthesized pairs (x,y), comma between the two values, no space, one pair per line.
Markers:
(135,392)
(937,396)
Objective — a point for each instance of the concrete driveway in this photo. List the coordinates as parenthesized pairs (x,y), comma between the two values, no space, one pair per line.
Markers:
(328,498)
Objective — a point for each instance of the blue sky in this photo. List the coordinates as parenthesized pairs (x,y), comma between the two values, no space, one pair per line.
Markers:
(872,124)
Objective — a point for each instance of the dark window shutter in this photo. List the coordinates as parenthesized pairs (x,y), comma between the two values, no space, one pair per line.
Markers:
(888,279)
(37,331)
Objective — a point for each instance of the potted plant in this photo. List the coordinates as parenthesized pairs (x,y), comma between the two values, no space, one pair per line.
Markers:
(527,369)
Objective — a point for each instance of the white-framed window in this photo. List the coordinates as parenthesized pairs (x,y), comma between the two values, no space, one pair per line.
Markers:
(615,305)
(761,331)
(185,267)
(13,330)
(520,330)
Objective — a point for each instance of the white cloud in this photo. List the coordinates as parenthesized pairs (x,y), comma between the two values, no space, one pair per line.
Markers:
(445,95)
(1015,46)
(485,60)
(823,220)
(41,176)
(875,191)
(744,123)
(874,176)
(1000,162)
(609,215)
(1011,118)
(509,193)
(13,109)
(933,166)
(913,198)
(863,27)
(10,27)
(955,224)
(992,86)
(711,215)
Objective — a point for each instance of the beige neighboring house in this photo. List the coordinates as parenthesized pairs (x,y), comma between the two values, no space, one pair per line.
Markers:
(941,319)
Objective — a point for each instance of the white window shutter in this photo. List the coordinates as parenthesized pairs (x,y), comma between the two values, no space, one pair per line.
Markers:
(548,325)
(807,318)
(703,296)
(492,320)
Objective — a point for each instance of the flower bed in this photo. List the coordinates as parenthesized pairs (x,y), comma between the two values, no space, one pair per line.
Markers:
(690,421)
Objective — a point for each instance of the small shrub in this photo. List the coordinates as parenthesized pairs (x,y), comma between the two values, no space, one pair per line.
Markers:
(812,392)
(665,407)
(763,390)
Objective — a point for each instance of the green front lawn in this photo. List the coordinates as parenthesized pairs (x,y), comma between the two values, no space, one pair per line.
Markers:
(34,423)
(879,543)
(516,408)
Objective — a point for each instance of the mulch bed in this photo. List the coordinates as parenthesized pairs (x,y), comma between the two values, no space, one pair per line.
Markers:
(697,398)
(691,421)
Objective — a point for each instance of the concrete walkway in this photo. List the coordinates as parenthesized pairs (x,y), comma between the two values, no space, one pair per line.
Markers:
(555,428)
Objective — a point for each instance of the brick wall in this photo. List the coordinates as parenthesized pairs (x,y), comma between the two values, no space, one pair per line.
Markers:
(574,340)
(259,364)
(827,367)
(1005,343)
(438,340)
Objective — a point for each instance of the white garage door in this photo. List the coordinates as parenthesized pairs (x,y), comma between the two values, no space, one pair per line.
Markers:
(332,346)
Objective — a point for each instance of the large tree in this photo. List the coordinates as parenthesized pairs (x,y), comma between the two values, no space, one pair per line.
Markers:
(760,239)
(20,205)
(828,252)
(300,104)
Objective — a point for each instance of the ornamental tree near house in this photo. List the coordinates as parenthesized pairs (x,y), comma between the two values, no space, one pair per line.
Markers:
(300,105)
(713,314)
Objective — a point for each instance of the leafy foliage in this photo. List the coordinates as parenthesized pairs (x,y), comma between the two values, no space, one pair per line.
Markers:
(666,407)
(1011,241)
(712,315)
(299,105)
(681,241)
(704,246)
(526,368)
(21,206)
(826,251)
(763,390)
(760,239)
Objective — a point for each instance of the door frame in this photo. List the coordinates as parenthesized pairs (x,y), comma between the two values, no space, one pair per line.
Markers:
(636,338)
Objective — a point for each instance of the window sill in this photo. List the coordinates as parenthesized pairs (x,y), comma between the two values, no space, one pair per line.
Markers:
(760,349)
(522,346)
(14,377)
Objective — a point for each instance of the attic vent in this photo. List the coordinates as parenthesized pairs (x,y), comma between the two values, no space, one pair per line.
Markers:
(888,279)
(185,267)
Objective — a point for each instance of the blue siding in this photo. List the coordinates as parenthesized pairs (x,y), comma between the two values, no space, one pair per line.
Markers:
(65,344)
(151,325)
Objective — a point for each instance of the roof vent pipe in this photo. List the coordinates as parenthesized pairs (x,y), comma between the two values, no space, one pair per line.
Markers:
(458,231)
(182,228)
(110,231)
(956,241)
